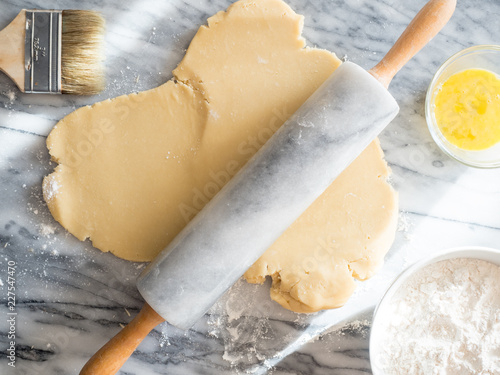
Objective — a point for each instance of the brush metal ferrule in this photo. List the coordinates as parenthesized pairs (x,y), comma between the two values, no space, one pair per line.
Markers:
(42,53)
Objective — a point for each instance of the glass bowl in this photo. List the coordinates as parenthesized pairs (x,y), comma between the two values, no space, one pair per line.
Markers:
(381,314)
(485,57)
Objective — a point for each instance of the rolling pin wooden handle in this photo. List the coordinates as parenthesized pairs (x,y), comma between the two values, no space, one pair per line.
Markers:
(110,358)
(426,24)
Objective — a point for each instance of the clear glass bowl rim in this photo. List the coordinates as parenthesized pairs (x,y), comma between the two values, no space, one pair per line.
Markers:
(431,124)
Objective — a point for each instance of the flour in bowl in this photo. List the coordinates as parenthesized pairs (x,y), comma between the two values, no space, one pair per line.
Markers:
(445,319)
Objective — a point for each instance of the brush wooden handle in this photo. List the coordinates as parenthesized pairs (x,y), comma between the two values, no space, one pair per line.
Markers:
(12,49)
(426,24)
(114,354)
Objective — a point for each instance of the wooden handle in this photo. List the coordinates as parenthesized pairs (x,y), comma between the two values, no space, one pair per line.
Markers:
(111,357)
(426,24)
(12,49)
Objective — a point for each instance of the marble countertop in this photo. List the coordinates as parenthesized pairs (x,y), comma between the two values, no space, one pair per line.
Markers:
(71,298)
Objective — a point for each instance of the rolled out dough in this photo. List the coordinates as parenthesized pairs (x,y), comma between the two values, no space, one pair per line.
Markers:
(135,169)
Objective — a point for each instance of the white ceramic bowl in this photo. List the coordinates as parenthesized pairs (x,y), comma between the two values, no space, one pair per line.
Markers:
(381,312)
(480,57)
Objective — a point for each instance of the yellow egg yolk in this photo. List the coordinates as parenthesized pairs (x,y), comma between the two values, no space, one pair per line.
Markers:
(467,109)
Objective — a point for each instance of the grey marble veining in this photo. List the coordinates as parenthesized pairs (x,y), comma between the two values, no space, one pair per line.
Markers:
(72,298)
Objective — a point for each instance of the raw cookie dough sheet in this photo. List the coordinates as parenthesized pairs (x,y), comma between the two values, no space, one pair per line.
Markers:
(134,170)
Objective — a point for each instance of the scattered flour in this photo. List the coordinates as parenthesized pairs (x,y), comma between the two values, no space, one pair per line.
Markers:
(214,114)
(164,341)
(444,320)
(359,326)
(51,188)
(262,60)
(404,223)
(11,95)
(47,229)
(242,327)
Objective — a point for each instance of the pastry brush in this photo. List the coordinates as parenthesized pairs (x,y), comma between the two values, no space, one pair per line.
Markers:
(54,51)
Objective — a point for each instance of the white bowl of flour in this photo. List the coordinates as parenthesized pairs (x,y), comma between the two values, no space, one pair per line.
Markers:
(441,316)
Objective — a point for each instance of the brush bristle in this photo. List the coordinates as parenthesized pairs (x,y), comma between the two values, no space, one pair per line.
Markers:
(82,70)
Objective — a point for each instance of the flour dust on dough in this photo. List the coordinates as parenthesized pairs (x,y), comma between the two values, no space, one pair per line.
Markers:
(134,170)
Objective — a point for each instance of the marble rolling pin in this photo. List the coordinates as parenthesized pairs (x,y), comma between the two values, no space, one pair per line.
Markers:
(273,189)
